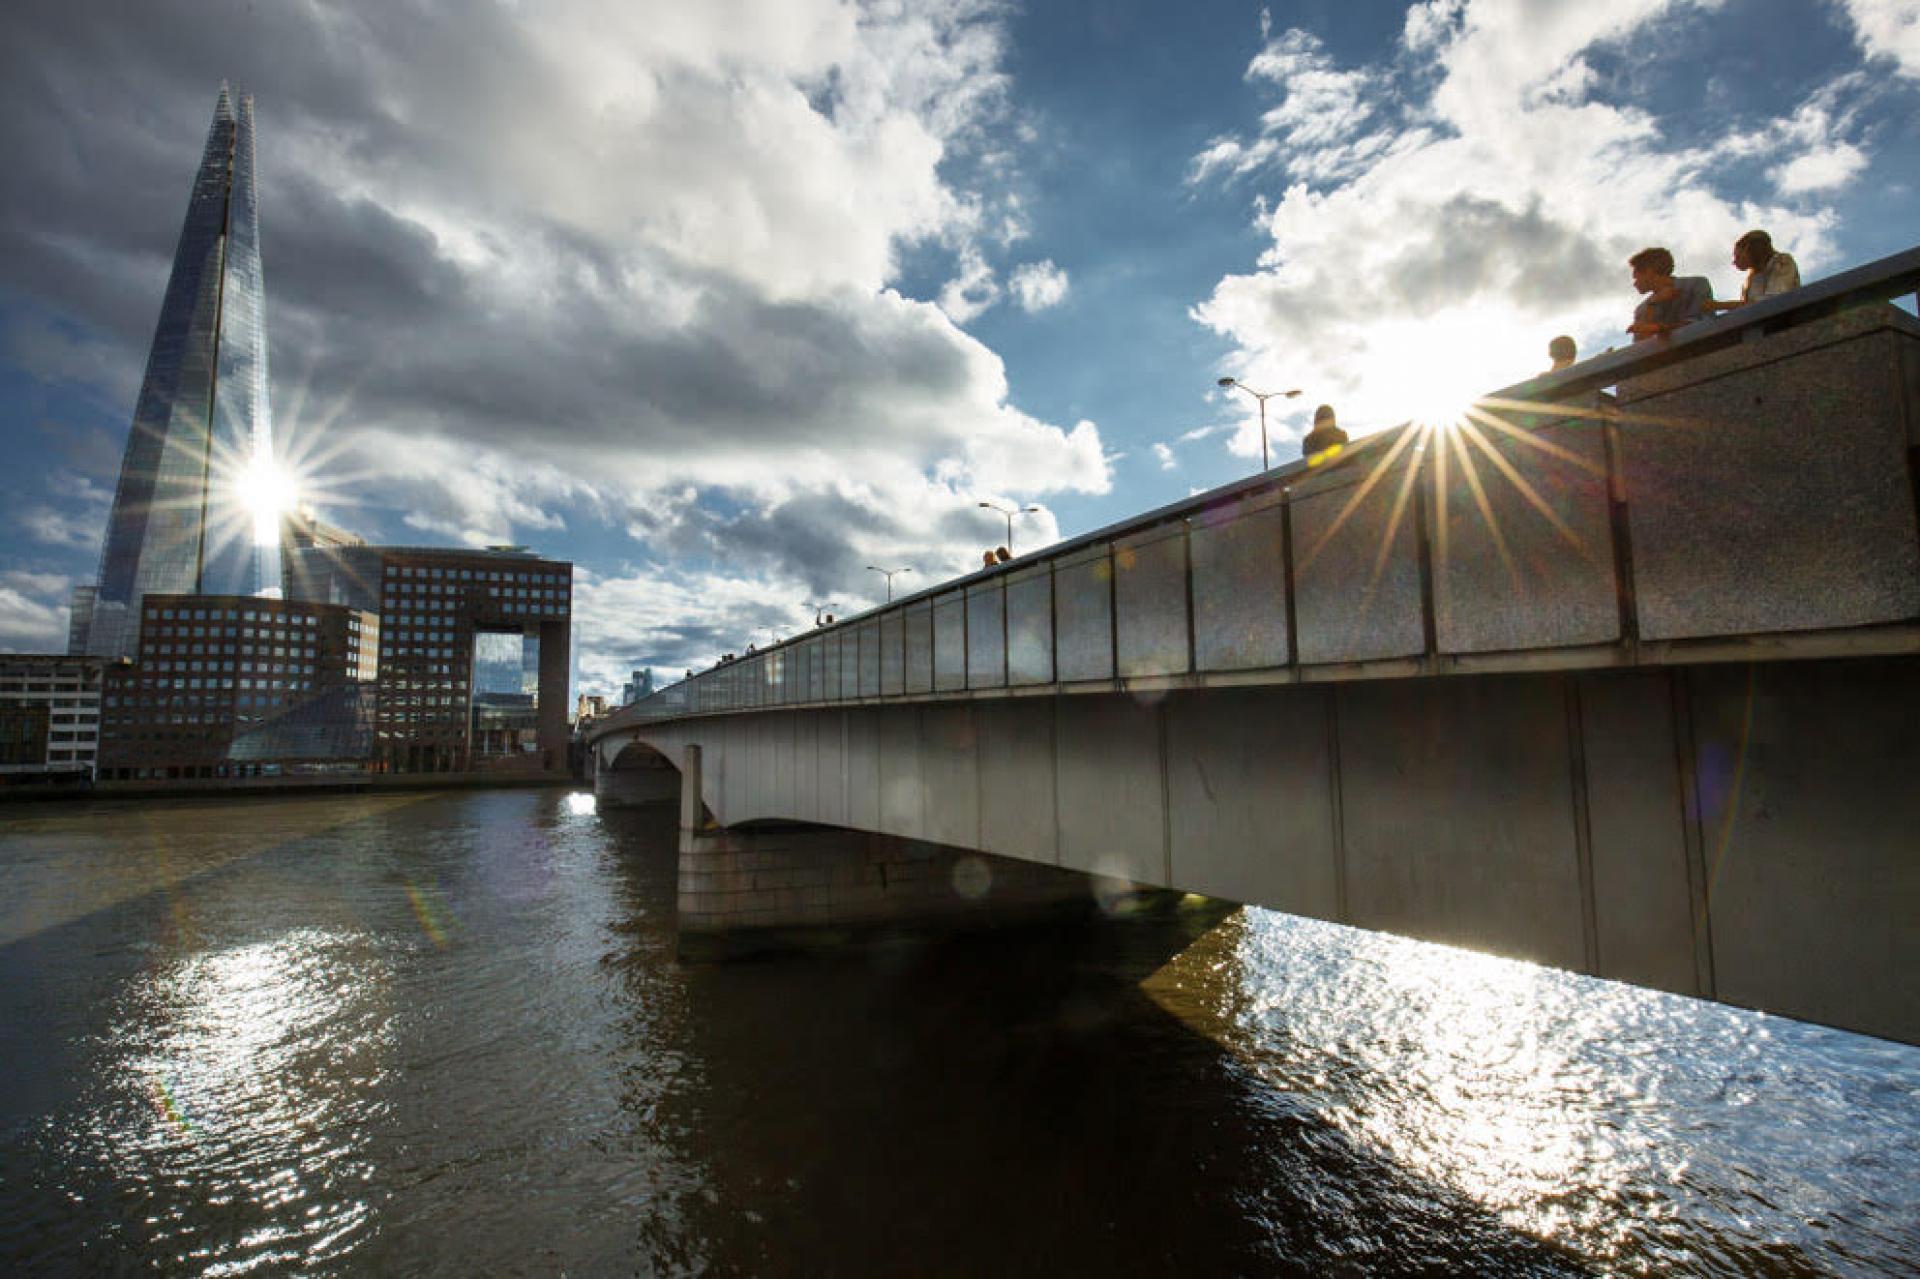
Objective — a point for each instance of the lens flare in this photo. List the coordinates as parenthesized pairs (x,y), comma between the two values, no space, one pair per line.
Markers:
(268,491)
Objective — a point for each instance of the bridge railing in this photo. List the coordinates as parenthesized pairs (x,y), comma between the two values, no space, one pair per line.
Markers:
(1748,490)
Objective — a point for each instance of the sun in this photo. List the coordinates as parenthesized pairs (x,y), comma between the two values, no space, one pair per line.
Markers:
(1431,371)
(267,490)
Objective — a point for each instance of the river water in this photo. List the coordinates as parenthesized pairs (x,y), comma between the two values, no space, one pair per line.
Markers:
(444,1033)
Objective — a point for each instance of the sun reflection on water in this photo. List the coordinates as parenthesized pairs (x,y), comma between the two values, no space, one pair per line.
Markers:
(1621,1123)
(252,1071)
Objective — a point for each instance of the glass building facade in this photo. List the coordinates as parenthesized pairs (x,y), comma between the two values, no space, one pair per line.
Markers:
(181,522)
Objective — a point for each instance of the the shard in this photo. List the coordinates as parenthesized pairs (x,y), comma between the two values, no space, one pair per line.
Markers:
(185,518)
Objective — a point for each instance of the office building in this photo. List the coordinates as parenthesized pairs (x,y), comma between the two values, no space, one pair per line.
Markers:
(49,717)
(187,516)
(230,686)
(475,650)
(640,686)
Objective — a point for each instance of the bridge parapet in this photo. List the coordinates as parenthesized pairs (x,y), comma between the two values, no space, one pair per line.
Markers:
(1749,492)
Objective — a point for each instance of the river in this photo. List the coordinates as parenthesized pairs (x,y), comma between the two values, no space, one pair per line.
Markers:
(445,1033)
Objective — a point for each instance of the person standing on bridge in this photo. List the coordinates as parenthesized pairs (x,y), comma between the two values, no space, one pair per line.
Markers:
(1671,303)
(1562,352)
(1325,439)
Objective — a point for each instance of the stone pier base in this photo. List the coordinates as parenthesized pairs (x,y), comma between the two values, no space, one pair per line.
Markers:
(784,887)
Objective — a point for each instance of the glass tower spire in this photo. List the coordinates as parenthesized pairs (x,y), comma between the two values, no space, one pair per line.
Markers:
(200,448)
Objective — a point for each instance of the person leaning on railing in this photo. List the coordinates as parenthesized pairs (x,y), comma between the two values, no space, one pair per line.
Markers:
(1671,303)
(1769,271)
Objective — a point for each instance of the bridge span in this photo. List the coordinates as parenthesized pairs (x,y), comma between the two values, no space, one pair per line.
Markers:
(1619,673)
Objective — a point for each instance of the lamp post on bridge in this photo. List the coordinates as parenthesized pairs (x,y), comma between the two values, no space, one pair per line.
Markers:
(888,574)
(820,614)
(1008,512)
(1235,383)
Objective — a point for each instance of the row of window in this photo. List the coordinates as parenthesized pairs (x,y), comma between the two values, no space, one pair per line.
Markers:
(406,575)
(148,685)
(228,615)
(248,661)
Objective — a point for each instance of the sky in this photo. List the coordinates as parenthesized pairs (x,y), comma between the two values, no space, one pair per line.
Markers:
(724,302)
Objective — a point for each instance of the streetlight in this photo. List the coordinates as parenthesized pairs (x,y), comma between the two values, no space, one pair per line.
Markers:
(820,611)
(1009,512)
(888,574)
(1263,397)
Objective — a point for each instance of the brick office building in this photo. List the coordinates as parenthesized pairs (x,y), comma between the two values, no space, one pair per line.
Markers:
(447,701)
(229,686)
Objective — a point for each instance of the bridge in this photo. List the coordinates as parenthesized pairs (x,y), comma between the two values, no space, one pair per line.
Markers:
(1619,673)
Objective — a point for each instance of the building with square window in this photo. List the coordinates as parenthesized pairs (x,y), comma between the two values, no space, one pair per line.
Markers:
(233,686)
(49,717)
(476,649)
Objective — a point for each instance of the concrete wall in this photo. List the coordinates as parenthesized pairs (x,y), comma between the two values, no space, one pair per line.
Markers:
(1740,832)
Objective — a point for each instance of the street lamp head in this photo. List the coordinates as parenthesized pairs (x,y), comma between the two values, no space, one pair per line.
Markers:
(1227,381)
(985,505)
(1294,394)
(1029,510)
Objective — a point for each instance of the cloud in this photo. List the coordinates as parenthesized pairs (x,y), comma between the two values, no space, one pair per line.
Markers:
(33,611)
(1422,249)
(1889,29)
(532,269)
(1038,285)
(972,290)
(1823,171)
(1163,454)
(50,527)
(769,566)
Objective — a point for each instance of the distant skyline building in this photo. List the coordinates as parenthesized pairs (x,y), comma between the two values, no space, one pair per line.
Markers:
(201,441)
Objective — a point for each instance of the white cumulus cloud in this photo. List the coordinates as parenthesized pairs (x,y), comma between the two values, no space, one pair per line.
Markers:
(1038,285)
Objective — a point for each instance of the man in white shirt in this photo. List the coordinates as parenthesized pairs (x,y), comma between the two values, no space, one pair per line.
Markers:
(1769,271)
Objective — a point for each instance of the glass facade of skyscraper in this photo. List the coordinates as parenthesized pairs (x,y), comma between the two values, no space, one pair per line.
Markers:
(202,434)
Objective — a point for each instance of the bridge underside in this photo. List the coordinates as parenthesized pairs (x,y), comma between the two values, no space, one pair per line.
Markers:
(1703,830)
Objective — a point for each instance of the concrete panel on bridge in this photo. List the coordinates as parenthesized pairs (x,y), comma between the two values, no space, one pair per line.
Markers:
(1522,535)
(951,758)
(950,642)
(1768,487)
(1646,887)
(891,653)
(1458,815)
(1811,826)
(867,641)
(1356,565)
(1017,801)
(1113,816)
(1083,615)
(902,789)
(863,768)
(1250,785)
(918,625)
(1030,626)
(987,634)
(1150,602)
(831,737)
(1240,585)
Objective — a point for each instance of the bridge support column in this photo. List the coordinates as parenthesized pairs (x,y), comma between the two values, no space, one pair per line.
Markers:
(776,888)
